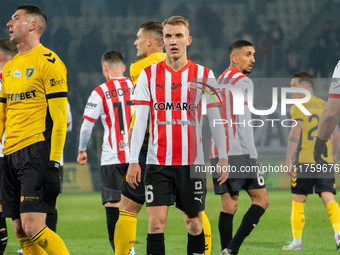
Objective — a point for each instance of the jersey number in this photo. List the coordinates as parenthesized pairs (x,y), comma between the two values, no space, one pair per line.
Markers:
(118,105)
(310,137)
(149,193)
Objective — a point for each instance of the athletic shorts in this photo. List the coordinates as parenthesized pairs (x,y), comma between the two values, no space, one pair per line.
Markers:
(61,174)
(111,177)
(161,182)
(137,195)
(234,185)
(320,184)
(23,181)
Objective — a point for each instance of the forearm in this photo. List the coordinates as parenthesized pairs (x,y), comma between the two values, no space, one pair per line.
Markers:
(217,132)
(328,119)
(58,112)
(142,113)
(248,133)
(335,143)
(85,134)
(3,107)
(293,140)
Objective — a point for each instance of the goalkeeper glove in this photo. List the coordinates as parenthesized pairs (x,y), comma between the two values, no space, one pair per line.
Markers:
(320,148)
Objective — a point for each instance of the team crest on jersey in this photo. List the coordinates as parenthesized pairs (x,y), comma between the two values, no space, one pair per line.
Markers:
(29,72)
(17,73)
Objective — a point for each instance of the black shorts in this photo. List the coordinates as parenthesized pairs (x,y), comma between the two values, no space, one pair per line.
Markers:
(300,185)
(137,195)
(111,177)
(61,174)
(234,185)
(161,182)
(23,181)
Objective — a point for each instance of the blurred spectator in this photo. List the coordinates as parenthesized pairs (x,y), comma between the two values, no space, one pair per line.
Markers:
(182,9)
(90,50)
(317,58)
(61,43)
(329,36)
(138,7)
(153,7)
(245,33)
(117,8)
(209,24)
(263,49)
(293,61)
(276,36)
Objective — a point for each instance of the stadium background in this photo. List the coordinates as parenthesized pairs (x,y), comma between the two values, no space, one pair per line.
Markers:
(288,35)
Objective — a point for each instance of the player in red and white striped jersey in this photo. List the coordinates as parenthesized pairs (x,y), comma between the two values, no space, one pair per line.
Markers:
(329,117)
(241,151)
(172,91)
(111,101)
(7,51)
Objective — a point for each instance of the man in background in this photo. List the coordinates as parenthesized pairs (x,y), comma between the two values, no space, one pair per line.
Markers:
(110,101)
(301,142)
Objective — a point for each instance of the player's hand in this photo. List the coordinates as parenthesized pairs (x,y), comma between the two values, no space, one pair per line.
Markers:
(222,170)
(52,181)
(320,148)
(129,136)
(82,157)
(133,176)
(289,164)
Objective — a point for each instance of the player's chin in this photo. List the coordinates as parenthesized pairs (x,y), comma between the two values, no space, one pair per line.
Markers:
(247,71)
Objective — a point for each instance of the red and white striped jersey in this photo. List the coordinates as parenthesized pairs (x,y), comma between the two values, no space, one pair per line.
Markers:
(112,102)
(175,100)
(334,90)
(239,135)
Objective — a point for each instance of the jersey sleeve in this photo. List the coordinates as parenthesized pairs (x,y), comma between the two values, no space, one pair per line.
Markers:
(334,90)
(142,91)
(246,85)
(94,106)
(295,113)
(214,95)
(55,81)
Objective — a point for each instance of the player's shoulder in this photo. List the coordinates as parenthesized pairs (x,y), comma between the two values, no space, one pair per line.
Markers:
(48,56)
(336,73)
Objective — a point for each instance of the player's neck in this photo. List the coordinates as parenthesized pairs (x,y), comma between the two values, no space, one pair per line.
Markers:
(176,64)
(115,74)
(232,66)
(28,45)
(154,50)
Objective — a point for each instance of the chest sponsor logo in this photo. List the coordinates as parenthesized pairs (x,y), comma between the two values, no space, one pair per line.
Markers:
(21,96)
(17,73)
(162,106)
(29,72)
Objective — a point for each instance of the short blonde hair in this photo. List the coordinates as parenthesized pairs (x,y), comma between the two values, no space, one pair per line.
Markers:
(176,20)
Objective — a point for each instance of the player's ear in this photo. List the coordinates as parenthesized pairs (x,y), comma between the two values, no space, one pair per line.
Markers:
(150,41)
(124,68)
(162,39)
(33,26)
(189,40)
(104,67)
(233,59)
